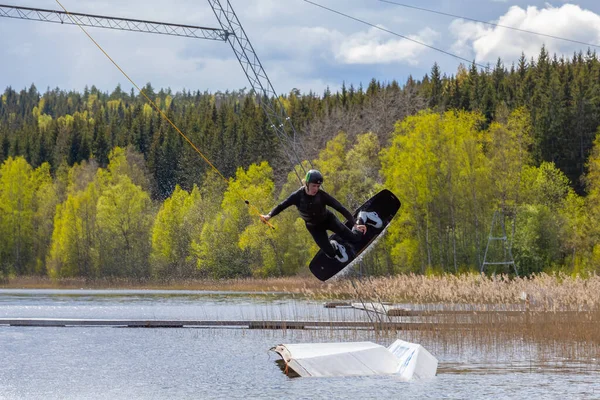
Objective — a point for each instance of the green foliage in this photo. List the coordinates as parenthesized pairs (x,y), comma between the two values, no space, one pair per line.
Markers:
(588,232)
(103,226)
(332,160)
(545,185)
(46,200)
(536,244)
(175,225)
(575,240)
(288,248)
(363,166)
(123,221)
(74,247)
(235,242)
(83,173)
(21,205)
(508,155)
(436,166)
(351,173)
(561,96)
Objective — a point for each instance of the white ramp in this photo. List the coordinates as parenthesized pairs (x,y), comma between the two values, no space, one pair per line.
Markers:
(407,360)
(415,361)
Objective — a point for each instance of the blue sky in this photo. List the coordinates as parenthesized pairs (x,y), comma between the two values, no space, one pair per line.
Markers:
(301,46)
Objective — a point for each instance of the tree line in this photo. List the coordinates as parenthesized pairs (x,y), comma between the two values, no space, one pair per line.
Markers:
(450,170)
(95,184)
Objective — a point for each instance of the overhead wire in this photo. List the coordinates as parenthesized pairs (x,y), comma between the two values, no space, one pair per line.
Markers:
(162,113)
(488,23)
(449,15)
(362,21)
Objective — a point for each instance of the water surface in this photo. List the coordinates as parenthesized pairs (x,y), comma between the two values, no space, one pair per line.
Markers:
(207,363)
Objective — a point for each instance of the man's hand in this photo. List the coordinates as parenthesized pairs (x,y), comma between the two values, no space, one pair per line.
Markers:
(265,218)
(362,228)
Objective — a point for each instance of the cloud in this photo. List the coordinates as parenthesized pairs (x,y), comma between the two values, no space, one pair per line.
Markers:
(299,45)
(375,47)
(488,43)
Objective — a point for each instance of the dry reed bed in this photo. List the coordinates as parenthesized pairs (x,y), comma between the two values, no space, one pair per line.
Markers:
(542,292)
(552,316)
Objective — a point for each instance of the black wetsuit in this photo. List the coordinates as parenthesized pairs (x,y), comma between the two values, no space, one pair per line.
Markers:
(318,219)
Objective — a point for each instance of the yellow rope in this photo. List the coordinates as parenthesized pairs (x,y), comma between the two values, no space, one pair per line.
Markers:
(252,207)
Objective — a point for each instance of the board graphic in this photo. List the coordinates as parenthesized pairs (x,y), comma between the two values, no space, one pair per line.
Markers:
(385,204)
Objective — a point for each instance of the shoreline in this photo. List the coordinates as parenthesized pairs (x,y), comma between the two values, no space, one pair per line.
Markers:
(542,292)
(288,284)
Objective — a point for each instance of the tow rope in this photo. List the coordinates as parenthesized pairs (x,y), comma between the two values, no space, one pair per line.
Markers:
(162,113)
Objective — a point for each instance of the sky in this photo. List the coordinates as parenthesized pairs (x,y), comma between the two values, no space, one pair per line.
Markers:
(300,45)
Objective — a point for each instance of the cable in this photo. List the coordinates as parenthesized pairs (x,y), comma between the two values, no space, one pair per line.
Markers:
(247,202)
(397,34)
(489,23)
(362,302)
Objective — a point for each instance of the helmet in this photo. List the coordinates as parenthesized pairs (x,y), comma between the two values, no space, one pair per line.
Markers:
(313,176)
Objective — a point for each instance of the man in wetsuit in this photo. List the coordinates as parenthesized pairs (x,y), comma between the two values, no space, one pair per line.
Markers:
(312,205)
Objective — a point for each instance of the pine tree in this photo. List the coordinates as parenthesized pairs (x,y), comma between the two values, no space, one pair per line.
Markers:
(435,99)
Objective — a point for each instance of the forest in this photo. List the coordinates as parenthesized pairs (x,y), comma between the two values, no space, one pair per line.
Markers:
(99,185)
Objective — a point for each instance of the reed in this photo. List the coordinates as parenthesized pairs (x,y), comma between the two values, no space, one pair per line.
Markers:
(543,320)
(542,292)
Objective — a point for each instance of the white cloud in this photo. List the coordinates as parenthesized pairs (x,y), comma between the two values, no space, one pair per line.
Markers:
(299,45)
(487,42)
(375,46)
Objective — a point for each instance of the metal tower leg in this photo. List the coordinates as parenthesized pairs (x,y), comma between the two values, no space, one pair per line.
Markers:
(507,257)
(259,81)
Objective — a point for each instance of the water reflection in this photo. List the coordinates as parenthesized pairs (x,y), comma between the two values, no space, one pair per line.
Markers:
(102,362)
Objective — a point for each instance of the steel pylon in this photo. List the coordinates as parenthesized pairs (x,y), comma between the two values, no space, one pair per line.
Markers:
(498,234)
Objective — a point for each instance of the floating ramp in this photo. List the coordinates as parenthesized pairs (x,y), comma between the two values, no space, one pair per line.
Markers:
(407,360)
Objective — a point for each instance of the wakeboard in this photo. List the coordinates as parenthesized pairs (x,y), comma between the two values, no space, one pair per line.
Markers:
(385,204)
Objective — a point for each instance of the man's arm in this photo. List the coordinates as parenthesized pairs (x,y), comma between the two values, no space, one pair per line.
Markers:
(331,201)
(291,200)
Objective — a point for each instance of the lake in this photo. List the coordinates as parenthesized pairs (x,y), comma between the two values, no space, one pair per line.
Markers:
(217,363)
